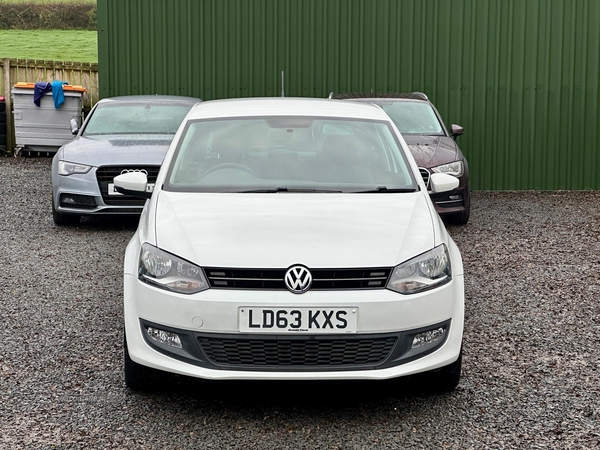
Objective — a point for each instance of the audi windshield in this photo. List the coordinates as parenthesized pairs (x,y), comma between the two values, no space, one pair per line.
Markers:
(289,154)
(136,118)
(413,117)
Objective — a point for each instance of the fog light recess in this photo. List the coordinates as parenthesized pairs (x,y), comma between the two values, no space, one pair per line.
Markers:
(430,337)
(164,337)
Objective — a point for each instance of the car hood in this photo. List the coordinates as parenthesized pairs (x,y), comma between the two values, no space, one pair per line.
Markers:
(279,230)
(431,151)
(117,149)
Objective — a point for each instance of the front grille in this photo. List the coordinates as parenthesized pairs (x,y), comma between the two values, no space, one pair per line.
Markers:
(106,174)
(321,352)
(77,201)
(425,175)
(323,279)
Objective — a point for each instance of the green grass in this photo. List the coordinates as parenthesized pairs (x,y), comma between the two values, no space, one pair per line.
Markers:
(57,45)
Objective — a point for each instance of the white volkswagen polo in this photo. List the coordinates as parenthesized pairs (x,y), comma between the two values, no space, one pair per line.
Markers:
(291,239)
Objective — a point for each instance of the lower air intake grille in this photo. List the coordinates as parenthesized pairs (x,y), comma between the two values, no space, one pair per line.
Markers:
(77,201)
(310,353)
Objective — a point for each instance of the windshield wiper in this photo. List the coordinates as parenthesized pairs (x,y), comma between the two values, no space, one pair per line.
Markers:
(285,189)
(385,189)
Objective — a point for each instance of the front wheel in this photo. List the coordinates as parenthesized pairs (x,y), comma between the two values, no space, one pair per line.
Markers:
(63,219)
(445,379)
(138,377)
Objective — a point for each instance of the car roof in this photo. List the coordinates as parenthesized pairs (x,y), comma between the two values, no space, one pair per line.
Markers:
(286,106)
(150,98)
(379,95)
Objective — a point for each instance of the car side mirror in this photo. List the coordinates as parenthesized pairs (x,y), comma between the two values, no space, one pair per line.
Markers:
(132,183)
(441,182)
(74,126)
(456,130)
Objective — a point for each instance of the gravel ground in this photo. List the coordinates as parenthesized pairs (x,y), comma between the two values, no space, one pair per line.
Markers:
(530,370)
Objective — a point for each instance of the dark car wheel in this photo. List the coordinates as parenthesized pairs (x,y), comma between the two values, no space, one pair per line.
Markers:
(63,219)
(445,379)
(141,378)
(463,217)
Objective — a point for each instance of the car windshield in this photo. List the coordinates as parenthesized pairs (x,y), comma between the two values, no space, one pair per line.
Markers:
(289,154)
(413,117)
(136,118)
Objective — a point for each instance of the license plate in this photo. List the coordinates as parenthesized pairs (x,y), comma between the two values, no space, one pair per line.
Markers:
(298,320)
(112,191)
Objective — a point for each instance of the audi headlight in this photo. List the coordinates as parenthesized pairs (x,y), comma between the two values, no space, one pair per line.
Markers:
(456,168)
(426,271)
(167,271)
(68,168)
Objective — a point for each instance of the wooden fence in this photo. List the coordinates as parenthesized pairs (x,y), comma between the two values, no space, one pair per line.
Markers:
(15,70)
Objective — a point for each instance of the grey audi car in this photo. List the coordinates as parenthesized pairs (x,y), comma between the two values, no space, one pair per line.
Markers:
(120,135)
(431,144)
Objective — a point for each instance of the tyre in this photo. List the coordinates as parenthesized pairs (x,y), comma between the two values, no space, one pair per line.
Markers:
(63,219)
(2,117)
(445,379)
(2,107)
(2,129)
(141,378)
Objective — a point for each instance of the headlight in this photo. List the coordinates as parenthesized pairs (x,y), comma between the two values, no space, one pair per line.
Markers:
(167,271)
(426,271)
(456,168)
(68,168)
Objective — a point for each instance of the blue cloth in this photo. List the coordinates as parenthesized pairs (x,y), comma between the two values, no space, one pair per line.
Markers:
(58,93)
(40,89)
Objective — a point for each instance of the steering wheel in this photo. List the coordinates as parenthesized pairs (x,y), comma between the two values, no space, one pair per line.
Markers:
(230,166)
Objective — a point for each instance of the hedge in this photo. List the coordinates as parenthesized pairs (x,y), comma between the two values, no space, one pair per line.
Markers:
(47,16)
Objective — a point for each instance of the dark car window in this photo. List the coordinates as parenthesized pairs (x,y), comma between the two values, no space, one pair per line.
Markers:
(413,117)
(136,118)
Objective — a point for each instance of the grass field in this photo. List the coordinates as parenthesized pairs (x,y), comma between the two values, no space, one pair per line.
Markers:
(57,45)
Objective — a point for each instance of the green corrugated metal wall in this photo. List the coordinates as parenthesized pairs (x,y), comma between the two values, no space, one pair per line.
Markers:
(522,76)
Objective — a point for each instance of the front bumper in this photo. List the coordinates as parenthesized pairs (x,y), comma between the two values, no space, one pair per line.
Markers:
(214,314)
(454,202)
(80,194)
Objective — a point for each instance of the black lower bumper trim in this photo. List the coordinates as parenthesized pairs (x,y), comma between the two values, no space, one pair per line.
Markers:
(284,353)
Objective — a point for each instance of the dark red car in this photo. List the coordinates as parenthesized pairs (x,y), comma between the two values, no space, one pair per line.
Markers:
(431,144)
